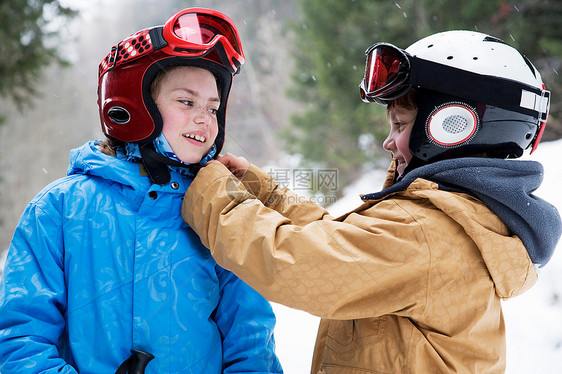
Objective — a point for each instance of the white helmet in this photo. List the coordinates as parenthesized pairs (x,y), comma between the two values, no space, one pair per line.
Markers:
(475,94)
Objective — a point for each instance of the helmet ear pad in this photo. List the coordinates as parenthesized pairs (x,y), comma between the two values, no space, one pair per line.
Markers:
(122,112)
(224,83)
(448,127)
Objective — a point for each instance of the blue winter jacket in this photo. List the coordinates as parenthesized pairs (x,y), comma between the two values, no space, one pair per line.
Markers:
(101,262)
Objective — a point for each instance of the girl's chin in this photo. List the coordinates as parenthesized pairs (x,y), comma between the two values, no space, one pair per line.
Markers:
(190,159)
(192,156)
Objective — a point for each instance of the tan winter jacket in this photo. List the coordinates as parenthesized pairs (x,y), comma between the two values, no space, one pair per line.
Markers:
(408,284)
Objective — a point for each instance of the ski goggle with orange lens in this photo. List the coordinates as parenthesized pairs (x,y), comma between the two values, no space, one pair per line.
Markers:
(193,32)
(386,73)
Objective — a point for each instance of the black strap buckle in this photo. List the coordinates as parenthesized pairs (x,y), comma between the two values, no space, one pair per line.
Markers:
(136,363)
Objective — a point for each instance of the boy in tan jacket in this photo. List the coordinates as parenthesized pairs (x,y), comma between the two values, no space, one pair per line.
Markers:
(412,280)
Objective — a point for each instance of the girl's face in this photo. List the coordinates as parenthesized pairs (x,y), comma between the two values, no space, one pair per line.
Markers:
(401,123)
(188,100)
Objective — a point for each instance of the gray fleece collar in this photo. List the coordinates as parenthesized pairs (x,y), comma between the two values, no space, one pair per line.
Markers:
(506,187)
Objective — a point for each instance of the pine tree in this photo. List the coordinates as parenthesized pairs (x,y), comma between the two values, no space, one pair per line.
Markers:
(27,34)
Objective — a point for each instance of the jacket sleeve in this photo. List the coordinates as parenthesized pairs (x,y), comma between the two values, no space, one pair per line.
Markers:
(295,254)
(289,204)
(33,297)
(246,322)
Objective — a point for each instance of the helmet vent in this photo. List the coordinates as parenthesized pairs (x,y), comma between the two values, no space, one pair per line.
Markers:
(530,65)
(118,115)
(490,38)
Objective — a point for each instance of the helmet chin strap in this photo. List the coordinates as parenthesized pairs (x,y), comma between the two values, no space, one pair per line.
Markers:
(156,165)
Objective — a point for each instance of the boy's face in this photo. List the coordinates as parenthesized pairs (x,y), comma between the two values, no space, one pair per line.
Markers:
(188,100)
(401,123)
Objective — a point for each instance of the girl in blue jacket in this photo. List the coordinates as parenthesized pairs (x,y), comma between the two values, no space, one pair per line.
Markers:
(102,274)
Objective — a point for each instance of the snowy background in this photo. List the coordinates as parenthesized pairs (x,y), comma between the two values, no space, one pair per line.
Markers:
(533,320)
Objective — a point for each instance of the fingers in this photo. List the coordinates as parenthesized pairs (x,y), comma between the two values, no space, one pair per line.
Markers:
(237,165)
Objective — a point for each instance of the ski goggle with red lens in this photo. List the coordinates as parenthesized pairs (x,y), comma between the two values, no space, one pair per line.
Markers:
(391,72)
(386,73)
(193,32)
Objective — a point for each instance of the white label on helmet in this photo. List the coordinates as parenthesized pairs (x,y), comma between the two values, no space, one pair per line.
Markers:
(528,100)
(533,101)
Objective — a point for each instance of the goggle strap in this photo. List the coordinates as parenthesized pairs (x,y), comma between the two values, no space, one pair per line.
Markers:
(157,38)
(230,65)
(538,102)
(149,40)
(487,89)
(135,46)
(542,124)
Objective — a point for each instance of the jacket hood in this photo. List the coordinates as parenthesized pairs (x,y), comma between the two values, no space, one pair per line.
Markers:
(506,187)
(88,159)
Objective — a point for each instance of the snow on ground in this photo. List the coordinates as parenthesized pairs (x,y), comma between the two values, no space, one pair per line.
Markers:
(534,331)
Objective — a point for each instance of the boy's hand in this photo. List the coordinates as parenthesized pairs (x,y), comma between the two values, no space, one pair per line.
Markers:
(237,165)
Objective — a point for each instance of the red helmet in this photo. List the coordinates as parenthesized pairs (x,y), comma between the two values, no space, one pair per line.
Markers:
(192,37)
